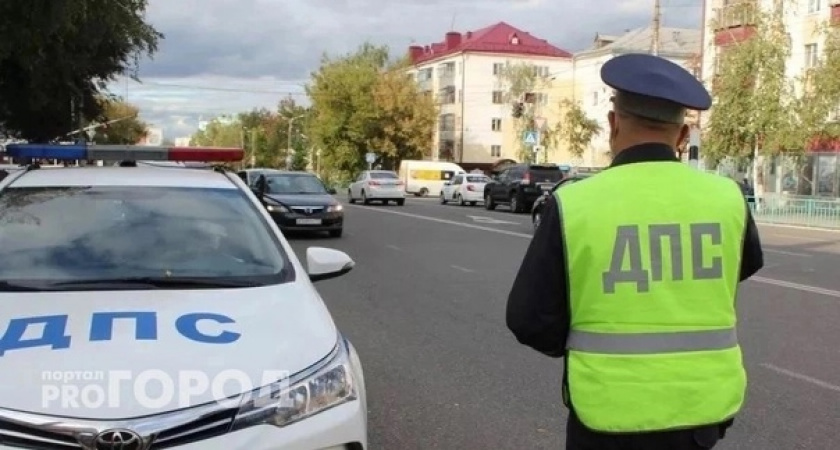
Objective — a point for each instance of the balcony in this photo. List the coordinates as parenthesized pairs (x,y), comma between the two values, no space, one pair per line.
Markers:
(741,14)
(425,85)
(446,96)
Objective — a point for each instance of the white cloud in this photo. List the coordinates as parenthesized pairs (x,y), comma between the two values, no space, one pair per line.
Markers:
(225,56)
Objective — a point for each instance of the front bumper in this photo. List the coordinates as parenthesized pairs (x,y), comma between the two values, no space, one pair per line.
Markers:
(293,221)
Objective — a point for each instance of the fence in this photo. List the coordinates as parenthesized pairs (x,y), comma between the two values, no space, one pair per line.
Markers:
(799,211)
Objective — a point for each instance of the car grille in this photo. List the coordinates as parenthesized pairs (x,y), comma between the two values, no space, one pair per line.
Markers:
(211,425)
(30,437)
(307,210)
(15,434)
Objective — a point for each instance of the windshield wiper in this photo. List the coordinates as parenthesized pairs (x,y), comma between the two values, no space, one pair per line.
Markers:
(5,286)
(159,282)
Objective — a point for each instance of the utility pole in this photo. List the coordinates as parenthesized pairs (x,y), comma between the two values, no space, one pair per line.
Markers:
(657,25)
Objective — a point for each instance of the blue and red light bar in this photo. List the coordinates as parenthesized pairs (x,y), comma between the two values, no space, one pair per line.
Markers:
(124,153)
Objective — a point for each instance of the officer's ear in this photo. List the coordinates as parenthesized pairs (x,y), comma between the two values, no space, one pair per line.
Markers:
(683,136)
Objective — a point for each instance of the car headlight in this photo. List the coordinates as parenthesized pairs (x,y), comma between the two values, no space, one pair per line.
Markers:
(335,208)
(285,402)
(277,208)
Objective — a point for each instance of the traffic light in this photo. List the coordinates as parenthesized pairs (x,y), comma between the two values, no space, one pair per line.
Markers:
(518,110)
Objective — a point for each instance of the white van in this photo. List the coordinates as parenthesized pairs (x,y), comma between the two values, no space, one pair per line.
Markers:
(424,178)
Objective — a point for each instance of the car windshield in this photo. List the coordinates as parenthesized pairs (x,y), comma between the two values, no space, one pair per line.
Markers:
(477,179)
(384,176)
(61,234)
(544,174)
(295,184)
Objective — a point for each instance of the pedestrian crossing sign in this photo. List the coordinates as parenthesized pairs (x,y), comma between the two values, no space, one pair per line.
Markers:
(531,137)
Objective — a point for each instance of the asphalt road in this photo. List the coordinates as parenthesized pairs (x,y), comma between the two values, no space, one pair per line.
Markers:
(425,309)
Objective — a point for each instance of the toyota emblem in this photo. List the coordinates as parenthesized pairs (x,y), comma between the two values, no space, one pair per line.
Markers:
(118,440)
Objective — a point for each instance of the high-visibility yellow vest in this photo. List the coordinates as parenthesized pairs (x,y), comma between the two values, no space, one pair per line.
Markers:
(654,253)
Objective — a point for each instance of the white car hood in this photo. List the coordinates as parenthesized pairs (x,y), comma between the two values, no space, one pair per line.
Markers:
(282,328)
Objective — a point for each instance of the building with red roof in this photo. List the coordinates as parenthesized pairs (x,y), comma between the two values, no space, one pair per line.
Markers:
(464,72)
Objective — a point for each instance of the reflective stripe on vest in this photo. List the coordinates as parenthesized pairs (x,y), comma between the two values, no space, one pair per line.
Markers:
(651,343)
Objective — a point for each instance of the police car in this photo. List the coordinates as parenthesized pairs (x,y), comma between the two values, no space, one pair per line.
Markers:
(152,308)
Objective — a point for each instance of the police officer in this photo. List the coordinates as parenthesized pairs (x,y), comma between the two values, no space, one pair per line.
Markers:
(632,278)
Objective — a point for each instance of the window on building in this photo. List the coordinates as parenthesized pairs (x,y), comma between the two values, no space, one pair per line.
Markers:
(498,97)
(460,96)
(542,99)
(498,68)
(542,71)
(812,56)
(496,124)
(496,151)
(814,6)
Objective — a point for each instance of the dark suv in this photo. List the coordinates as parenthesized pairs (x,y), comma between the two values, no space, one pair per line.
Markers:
(521,185)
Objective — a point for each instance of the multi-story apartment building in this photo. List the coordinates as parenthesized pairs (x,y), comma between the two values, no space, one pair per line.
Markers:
(464,73)
(680,45)
(728,22)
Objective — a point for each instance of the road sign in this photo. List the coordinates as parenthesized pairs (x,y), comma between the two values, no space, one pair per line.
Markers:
(370,157)
(694,137)
(539,122)
(531,137)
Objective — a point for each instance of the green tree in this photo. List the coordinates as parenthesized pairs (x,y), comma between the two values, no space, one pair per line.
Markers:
(121,124)
(362,103)
(54,54)
(755,108)
(575,129)
(521,83)
(819,105)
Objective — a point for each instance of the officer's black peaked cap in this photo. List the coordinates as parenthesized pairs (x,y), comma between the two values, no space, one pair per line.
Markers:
(652,76)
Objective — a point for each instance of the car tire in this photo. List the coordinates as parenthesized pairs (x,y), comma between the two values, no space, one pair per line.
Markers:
(336,233)
(350,198)
(516,204)
(442,198)
(473,203)
(401,202)
(423,192)
(489,204)
(365,200)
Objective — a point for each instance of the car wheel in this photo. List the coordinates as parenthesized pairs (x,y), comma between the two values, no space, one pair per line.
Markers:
(442,198)
(401,202)
(350,197)
(514,204)
(461,201)
(473,203)
(488,202)
(423,192)
(336,233)
(365,200)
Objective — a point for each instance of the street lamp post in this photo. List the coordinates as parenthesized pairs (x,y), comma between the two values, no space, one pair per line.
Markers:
(289,138)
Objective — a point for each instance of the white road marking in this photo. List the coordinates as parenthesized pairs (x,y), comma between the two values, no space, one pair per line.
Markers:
(797,286)
(448,222)
(783,252)
(490,220)
(462,269)
(394,247)
(802,377)
(764,280)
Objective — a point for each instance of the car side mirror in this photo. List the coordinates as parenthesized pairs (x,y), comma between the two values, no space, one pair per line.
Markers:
(332,191)
(325,263)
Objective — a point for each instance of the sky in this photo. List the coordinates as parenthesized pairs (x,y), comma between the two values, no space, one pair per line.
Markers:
(226,56)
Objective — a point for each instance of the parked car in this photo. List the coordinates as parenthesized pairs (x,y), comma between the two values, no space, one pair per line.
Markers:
(377,185)
(537,208)
(299,201)
(464,188)
(424,178)
(521,185)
